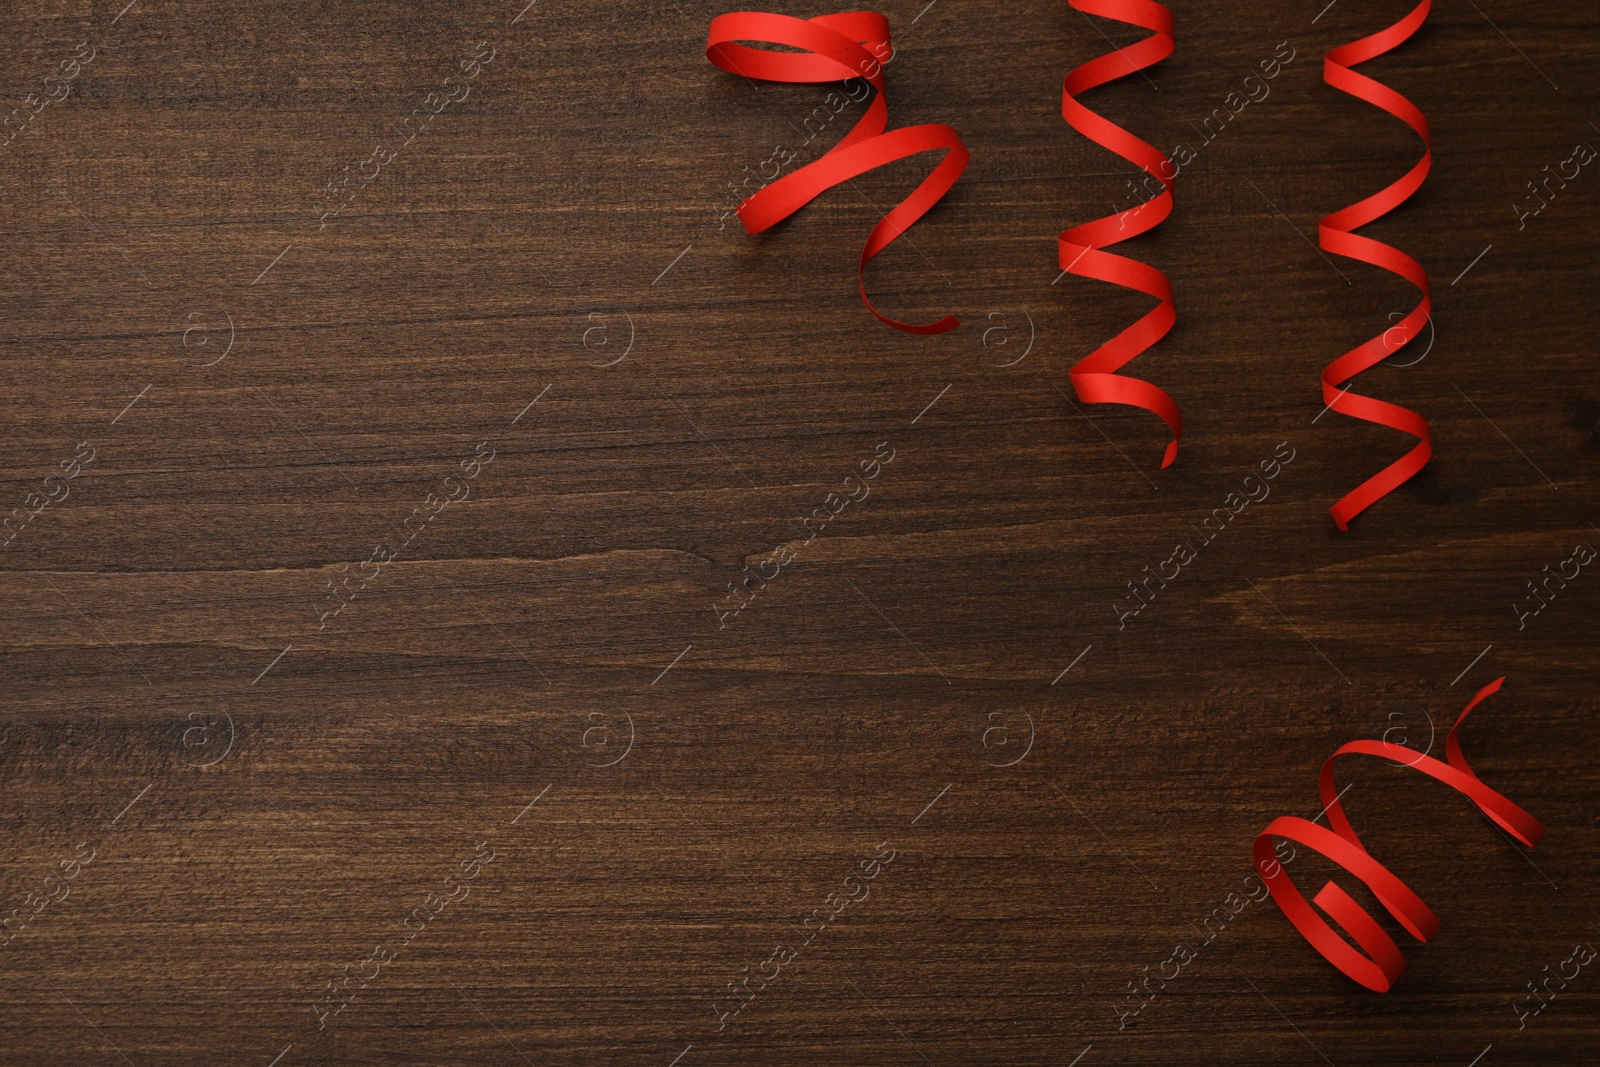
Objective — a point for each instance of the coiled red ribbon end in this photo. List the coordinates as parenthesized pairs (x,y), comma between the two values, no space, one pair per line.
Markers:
(1095,377)
(853,44)
(1336,234)
(1374,960)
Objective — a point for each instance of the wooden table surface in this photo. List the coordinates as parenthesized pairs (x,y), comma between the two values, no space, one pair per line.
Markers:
(530,791)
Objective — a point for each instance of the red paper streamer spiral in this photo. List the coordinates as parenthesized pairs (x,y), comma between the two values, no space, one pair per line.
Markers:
(1336,234)
(1379,963)
(853,44)
(1095,377)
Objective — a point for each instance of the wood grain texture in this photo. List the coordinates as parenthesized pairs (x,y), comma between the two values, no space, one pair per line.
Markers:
(263,797)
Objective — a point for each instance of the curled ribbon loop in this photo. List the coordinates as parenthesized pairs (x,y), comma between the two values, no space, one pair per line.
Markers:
(1379,963)
(853,44)
(1095,377)
(1336,234)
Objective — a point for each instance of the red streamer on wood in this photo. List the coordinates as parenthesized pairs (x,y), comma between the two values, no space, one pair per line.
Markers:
(1336,234)
(854,44)
(1095,377)
(1378,963)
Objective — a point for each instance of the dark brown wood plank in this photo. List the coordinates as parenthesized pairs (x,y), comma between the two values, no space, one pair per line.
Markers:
(255,798)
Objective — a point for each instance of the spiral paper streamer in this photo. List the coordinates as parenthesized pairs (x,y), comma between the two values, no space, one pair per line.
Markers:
(1336,234)
(853,44)
(1380,962)
(1095,377)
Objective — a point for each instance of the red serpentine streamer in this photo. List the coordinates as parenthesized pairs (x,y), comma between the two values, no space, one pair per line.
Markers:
(853,44)
(1336,234)
(1382,963)
(1095,377)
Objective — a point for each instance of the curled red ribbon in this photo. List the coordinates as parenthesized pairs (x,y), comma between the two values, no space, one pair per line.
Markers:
(1381,962)
(1095,377)
(853,44)
(1336,234)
